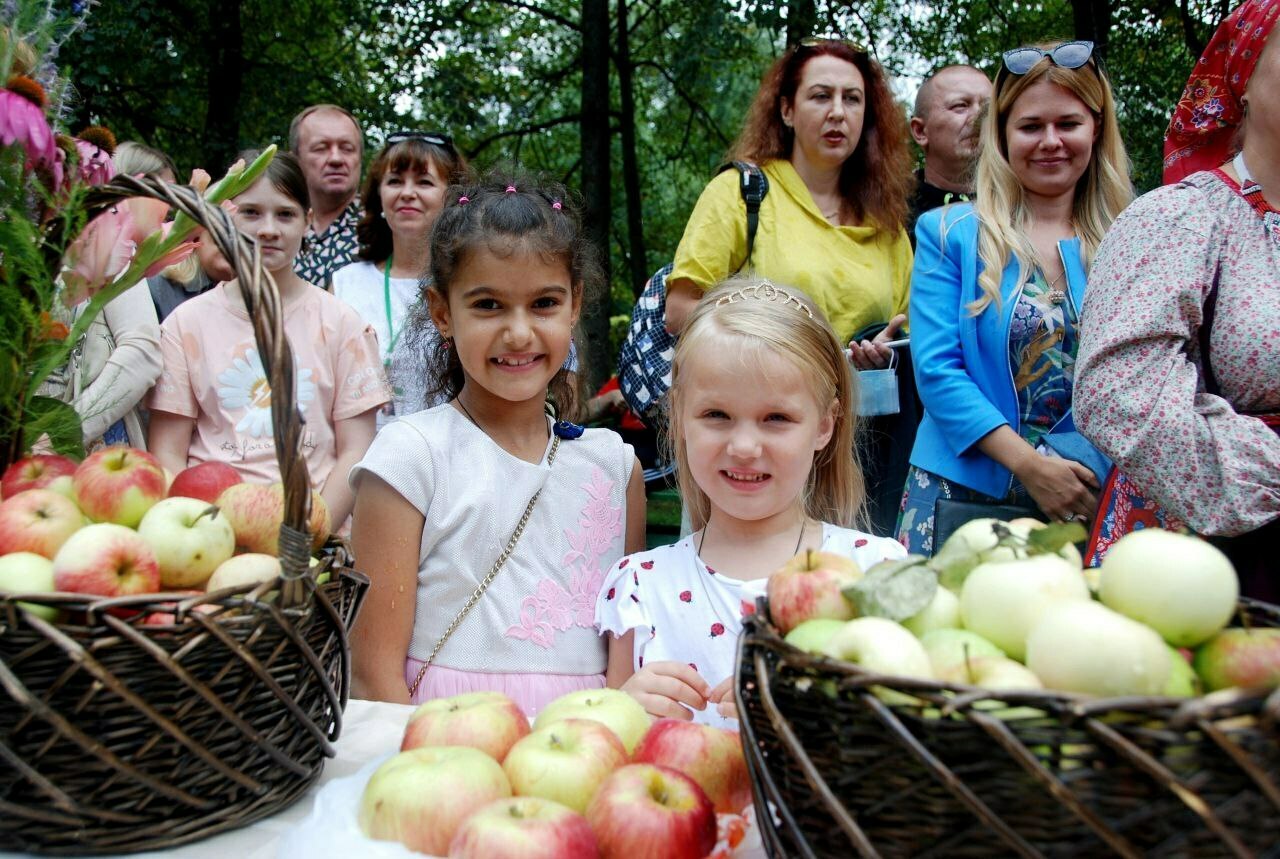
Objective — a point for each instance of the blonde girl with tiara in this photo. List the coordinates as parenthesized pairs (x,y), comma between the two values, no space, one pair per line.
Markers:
(486,526)
(763,436)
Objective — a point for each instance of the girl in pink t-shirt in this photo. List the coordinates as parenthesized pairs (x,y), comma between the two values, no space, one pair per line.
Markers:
(457,603)
(213,400)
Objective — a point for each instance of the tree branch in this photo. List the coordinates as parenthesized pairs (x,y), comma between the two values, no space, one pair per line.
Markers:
(522,132)
(550,16)
(688,99)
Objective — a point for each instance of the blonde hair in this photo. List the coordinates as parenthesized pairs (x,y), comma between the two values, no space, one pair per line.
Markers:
(1101,193)
(784,323)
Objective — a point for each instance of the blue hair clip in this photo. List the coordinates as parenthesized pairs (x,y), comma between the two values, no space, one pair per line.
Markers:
(567,431)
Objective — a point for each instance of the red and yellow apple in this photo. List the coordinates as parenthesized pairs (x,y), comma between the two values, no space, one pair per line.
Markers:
(565,761)
(37,520)
(251,568)
(205,481)
(613,708)
(119,485)
(525,827)
(256,512)
(710,756)
(35,472)
(488,721)
(644,811)
(28,573)
(1240,657)
(190,539)
(809,586)
(106,559)
(421,797)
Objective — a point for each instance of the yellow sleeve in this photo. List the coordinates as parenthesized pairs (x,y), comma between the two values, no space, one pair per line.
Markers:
(902,262)
(714,244)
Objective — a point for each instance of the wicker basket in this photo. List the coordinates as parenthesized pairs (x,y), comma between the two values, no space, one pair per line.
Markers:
(117,735)
(837,771)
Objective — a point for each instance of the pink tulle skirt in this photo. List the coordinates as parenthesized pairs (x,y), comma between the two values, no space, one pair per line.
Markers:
(531,691)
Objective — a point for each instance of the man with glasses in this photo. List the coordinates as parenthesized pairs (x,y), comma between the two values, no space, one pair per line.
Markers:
(329,144)
(945,125)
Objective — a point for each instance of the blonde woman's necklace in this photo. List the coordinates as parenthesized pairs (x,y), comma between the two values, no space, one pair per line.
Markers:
(1055,295)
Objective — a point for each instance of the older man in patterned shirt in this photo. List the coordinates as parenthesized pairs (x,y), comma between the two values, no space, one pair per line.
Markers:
(329,144)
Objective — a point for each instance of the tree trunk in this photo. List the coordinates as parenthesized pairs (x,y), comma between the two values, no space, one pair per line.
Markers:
(597,205)
(802,18)
(1092,21)
(638,264)
(224,84)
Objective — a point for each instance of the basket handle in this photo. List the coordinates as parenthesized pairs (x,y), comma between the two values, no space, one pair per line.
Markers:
(262,302)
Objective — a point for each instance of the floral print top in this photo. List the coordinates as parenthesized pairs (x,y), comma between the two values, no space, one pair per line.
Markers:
(1042,353)
(1140,394)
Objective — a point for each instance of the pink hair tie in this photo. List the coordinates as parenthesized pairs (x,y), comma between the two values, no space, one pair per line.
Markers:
(511,189)
(555,204)
(463,200)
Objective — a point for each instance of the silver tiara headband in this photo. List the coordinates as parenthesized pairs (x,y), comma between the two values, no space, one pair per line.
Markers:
(765,291)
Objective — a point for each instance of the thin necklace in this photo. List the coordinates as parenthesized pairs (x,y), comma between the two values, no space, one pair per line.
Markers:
(458,400)
(702,538)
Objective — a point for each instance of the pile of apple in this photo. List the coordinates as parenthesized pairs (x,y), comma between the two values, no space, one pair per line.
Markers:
(1008,606)
(118,524)
(596,776)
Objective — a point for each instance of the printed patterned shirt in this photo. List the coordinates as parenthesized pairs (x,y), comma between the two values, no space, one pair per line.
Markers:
(1139,394)
(325,252)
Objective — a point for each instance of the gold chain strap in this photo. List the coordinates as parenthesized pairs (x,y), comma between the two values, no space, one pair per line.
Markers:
(484,583)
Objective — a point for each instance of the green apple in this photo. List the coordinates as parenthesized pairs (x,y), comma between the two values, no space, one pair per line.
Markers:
(565,761)
(613,708)
(251,568)
(1179,585)
(1001,601)
(881,646)
(28,573)
(812,635)
(942,612)
(1240,657)
(948,648)
(1183,682)
(1083,646)
(190,539)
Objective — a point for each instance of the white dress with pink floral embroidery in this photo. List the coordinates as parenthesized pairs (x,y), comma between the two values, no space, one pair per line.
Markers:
(532,634)
(684,611)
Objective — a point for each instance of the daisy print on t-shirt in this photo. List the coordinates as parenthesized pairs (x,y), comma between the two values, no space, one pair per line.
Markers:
(244,386)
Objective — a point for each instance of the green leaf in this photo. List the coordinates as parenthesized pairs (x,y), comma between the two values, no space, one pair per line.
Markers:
(894,589)
(1051,538)
(46,416)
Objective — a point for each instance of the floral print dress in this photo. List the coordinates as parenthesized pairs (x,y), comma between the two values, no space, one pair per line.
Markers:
(1043,341)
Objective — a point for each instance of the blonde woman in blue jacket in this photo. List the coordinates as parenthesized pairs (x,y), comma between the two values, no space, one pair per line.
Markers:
(996,293)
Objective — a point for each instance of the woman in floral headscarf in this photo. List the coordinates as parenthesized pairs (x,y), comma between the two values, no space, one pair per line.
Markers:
(1179,374)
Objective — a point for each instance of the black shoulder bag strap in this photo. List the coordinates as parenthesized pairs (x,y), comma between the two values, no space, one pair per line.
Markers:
(754,185)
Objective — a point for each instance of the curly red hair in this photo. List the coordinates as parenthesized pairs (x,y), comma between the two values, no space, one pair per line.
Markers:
(876,180)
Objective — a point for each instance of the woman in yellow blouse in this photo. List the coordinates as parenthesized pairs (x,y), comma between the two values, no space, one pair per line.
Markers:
(833,144)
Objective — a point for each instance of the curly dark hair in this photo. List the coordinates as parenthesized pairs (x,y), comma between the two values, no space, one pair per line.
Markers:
(538,217)
(372,231)
(876,179)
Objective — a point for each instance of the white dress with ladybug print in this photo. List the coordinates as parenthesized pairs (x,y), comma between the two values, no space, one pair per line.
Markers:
(684,611)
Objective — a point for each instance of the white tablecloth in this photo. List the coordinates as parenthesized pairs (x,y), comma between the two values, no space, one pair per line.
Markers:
(369,729)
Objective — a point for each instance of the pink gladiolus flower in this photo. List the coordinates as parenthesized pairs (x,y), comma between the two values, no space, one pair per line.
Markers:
(148,214)
(95,164)
(98,255)
(199,180)
(175,256)
(22,121)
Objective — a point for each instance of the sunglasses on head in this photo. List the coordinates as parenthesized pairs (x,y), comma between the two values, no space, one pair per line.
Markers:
(819,41)
(1068,55)
(436,138)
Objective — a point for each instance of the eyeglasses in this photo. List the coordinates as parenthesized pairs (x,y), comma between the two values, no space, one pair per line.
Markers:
(1068,55)
(436,138)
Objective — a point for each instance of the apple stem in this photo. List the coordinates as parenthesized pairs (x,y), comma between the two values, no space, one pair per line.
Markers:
(514,811)
(211,511)
(968,666)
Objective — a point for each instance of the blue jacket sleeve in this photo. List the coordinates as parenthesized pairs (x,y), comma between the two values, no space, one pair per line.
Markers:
(946,384)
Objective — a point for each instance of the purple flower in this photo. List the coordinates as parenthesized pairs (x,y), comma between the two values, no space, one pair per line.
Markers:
(23,121)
